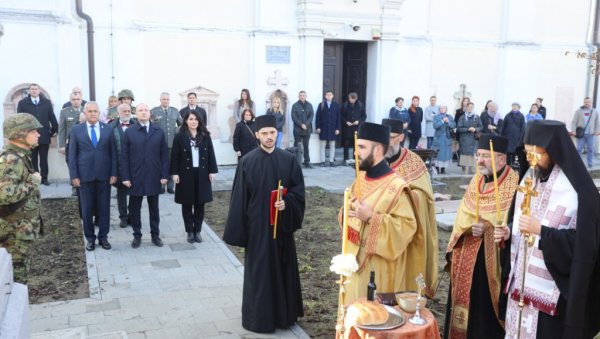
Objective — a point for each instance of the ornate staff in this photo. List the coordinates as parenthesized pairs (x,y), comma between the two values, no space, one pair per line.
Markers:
(528,192)
(356,165)
(277,210)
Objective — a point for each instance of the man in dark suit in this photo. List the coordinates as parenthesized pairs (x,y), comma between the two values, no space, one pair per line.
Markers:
(119,127)
(192,98)
(93,168)
(41,108)
(144,168)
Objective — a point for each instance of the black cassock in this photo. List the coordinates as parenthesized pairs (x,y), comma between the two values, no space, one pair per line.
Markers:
(272,297)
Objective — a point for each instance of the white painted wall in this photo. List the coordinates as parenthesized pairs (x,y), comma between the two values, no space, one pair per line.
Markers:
(506,50)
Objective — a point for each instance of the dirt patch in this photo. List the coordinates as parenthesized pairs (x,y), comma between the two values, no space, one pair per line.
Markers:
(58,267)
(317,242)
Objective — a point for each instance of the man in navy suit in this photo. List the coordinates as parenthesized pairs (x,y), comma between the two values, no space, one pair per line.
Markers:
(144,168)
(93,168)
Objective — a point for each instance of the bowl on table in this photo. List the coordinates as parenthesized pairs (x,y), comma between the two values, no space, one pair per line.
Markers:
(408,301)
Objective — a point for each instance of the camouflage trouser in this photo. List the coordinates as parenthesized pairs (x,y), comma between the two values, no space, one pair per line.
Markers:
(17,237)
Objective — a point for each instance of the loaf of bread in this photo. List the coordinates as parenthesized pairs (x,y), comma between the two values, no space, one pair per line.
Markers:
(364,312)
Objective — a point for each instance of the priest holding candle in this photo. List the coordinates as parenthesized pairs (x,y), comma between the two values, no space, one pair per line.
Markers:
(472,255)
(410,167)
(267,207)
(381,222)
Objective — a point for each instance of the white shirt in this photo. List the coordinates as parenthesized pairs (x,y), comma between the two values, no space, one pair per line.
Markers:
(35,101)
(96,129)
(195,154)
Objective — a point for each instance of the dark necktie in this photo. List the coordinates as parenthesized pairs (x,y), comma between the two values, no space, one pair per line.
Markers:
(35,101)
(94,137)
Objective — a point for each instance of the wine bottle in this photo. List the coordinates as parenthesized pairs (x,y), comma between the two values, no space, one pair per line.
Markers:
(371,288)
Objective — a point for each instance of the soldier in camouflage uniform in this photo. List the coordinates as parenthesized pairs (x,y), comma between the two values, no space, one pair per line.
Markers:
(20,222)
(125,97)
(168,119)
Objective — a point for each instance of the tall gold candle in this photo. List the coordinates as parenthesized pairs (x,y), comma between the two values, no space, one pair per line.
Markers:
(356,165)
(345,220)
(495,182)
(477,176)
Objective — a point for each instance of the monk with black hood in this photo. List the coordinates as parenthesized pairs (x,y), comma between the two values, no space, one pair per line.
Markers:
(271,297)
(562,278)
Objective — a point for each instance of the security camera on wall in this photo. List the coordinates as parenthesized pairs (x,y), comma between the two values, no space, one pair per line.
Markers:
(355,28)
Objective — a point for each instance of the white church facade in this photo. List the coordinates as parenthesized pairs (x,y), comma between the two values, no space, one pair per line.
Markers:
(504,50)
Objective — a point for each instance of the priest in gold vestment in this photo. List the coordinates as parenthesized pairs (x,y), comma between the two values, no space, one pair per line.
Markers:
(410,167)
(381,219)
(472,254)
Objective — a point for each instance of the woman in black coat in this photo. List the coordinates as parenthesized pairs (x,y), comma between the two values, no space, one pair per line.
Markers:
(193,167)
(244,139)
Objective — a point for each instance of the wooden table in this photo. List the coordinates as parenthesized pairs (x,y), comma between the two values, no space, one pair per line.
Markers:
(406,331)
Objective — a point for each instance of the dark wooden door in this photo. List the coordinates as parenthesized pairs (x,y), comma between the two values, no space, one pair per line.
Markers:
(332,69)
(354,70)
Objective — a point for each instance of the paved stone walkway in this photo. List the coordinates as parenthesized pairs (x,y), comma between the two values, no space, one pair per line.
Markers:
(180,290)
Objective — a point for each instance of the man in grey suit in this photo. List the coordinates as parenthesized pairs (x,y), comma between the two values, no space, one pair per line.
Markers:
(169,120)
(93,168)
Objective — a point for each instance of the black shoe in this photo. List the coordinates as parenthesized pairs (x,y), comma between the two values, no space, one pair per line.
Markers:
(90,246)
(136,242)
(197,237)
(191,237)
(123,224)
(105,244)
(156,241)
(45,182)
(332,164)
(308,165)
(171,191)
(162,191)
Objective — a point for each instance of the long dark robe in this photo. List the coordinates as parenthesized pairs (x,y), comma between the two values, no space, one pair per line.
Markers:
(272,297)
(572,257)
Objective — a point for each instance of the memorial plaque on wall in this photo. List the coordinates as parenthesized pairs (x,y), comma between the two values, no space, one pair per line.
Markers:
(278,54)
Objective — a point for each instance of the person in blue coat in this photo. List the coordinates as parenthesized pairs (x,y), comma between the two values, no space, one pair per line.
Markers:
(328,126)
(144,168)
(93,168)
(443,123)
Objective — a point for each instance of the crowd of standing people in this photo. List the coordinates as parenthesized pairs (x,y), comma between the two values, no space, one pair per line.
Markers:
(390,228)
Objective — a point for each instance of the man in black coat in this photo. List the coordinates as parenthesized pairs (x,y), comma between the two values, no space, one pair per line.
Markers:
(41,108)
(302,116)
(144,168)
(192,99)
(353,113)
(513,129)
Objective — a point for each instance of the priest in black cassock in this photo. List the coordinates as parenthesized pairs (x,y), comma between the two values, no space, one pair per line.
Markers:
(271,297)
(562,268)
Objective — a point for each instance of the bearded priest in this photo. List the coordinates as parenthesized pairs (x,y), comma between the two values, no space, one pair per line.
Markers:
(472,256)
(381,219)
(561,273)
(410,167)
